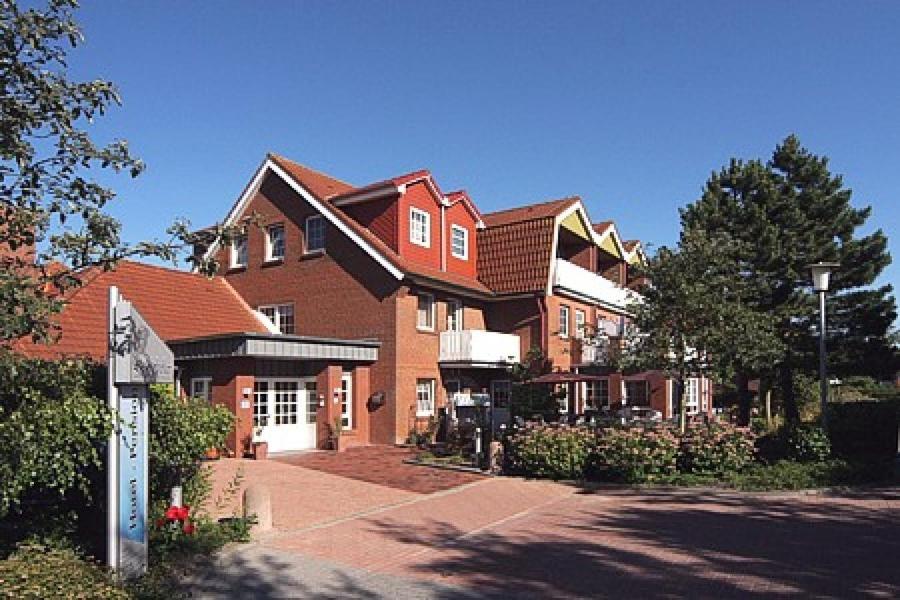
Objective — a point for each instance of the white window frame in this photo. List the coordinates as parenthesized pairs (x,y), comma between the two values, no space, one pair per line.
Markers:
(270,245)
(306,230)
(414,227)
(424,385)
(580,323)
(429,326)
(691,396)
(455,229)
(347,401)
(454,310)
(563,320)
(279,311)
(206,385)
(236,243)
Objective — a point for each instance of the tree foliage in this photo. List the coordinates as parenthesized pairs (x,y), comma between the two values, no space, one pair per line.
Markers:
(47,157)
(784,215)
(693,319)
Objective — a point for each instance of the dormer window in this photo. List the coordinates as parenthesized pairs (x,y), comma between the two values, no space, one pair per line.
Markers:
(419,227)
(459,242)
(275,243)
(239,252)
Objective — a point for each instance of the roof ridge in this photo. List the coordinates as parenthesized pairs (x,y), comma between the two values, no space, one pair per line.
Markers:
(277,156)
(534,205)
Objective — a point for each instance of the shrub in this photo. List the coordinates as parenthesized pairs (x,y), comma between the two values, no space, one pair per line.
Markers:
(39,571)
(864,429)
(806,443)
(715,448)
(53,429)
(181,431)
(555,452)
(635,454)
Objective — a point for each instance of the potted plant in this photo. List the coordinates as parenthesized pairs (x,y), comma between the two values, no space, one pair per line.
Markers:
(336,431)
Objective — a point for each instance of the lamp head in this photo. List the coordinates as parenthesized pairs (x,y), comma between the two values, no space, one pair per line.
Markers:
(821,273)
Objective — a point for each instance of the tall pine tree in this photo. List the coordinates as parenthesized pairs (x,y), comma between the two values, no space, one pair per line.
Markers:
(788,213)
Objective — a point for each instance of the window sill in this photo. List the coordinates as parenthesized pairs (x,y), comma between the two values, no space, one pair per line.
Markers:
(425,330)
(273,262)
(313,254)
(424,415)
(236,269)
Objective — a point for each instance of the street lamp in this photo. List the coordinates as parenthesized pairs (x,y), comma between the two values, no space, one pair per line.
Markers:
(821,273)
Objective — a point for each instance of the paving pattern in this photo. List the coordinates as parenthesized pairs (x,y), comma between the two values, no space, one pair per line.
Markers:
(510,538)
(382,465)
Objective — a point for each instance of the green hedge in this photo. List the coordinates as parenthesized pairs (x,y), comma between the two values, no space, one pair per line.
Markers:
(634,454)
(865,429)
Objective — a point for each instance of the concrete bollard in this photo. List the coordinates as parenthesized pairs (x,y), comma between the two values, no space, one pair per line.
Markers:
(496,463)
(258,501)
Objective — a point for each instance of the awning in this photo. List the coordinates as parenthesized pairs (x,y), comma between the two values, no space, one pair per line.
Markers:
(565,377)
(275,346)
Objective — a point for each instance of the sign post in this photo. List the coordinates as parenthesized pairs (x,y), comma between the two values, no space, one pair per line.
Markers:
(137,357)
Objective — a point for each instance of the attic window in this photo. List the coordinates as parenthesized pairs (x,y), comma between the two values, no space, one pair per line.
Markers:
(419,227)
(459,242)
(315,234)
(239,252)
(275,243)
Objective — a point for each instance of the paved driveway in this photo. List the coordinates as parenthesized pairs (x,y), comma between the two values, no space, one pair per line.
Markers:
(509,538)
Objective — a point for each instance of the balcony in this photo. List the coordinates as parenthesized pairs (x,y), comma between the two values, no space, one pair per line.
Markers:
(478,348)
(581,282)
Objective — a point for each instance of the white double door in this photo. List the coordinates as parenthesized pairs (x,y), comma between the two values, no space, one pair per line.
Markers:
(284,413)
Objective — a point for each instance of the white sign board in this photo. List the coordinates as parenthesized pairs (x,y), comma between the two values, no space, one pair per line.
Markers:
(137,357)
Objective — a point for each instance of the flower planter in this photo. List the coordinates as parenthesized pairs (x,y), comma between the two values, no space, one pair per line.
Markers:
(212,454)
(260,450)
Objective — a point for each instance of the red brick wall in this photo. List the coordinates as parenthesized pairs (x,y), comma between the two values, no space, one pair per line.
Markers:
(419,196)
(520,316)
(342,293)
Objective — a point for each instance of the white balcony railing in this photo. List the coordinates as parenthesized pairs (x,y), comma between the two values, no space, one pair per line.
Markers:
(585,283)
(479,347)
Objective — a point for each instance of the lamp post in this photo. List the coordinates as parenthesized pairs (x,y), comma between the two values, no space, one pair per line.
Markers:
(821,273)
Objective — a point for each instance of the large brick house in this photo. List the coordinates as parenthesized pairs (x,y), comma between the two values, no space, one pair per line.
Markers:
(453,296)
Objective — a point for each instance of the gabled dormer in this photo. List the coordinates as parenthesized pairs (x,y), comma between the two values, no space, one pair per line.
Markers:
(413,217)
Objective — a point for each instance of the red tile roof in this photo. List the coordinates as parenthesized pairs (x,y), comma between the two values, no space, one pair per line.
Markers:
(311,179)
(319,184)
(540,210)
(602,226)
(177,304)
(630,245)
(514,251)
(515,257)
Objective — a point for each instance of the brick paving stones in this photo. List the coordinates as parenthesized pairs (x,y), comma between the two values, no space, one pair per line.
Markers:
(382,465)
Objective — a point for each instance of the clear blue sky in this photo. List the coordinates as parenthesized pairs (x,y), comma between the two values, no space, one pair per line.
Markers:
(629,104)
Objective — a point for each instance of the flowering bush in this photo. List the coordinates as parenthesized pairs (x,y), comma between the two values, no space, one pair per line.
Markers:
(173,527)
(715,449)
(635,454)
(554,452)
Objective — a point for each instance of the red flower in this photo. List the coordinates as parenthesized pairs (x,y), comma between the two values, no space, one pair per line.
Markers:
(178,513)
(188,529)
